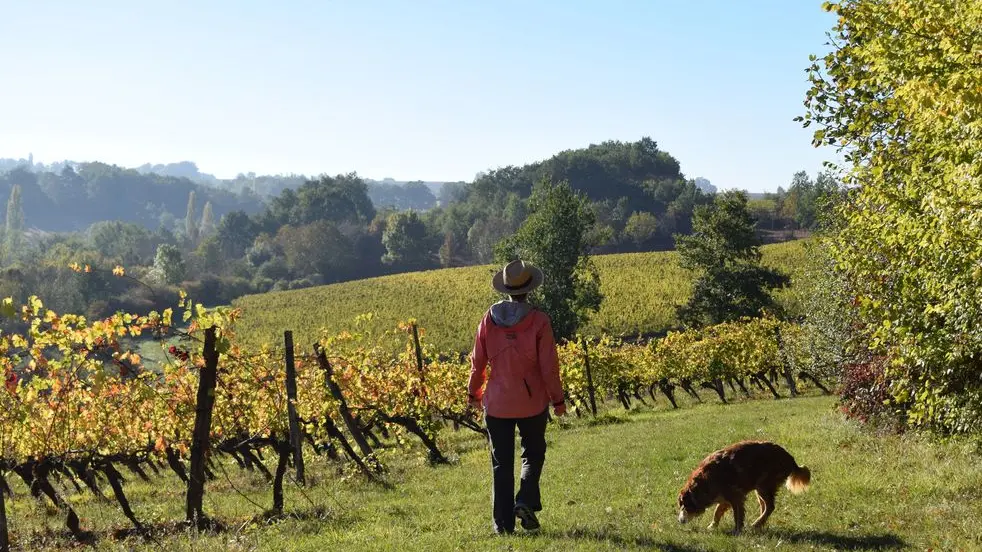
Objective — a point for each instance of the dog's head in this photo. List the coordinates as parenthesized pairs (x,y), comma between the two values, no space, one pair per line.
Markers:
(693,501)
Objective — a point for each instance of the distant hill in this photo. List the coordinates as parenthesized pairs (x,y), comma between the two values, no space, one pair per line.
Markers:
(640,289)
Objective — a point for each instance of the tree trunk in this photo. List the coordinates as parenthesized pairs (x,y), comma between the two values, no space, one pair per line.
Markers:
(284,458)
(782,354)
(174,461)
(72,521)
(411,424)
(668,390)
(116,482)
(687,387)
(762,378)
(814,380)
(743,388)
(335,433)
(349,420)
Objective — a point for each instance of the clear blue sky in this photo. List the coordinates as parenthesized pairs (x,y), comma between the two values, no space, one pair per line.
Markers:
(410,89)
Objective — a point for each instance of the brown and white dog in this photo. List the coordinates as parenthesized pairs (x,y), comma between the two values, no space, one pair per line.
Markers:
(726,476)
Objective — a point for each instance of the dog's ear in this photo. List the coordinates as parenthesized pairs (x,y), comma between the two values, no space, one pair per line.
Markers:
(685,500)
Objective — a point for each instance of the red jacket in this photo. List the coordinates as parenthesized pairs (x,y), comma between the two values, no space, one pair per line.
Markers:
(524,376)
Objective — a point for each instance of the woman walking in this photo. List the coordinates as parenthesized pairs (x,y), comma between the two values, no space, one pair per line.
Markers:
(516,340)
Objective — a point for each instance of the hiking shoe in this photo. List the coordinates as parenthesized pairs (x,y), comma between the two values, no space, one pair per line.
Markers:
(502,530)
(529,521)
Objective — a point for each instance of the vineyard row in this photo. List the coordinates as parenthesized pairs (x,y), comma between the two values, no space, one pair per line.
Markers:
(79,404)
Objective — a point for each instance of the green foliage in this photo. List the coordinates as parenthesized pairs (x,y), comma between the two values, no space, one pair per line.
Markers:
(341,198)
(807,199)
(168,265)
(641,228)
(554,238)
(724,250)
(125,243)
(826,339)
(191,221)
(900,96)
(208,256)
(484,236)
(406,240)
(236,233)
(412,195)
(13,235)
(315,248)
(207,227)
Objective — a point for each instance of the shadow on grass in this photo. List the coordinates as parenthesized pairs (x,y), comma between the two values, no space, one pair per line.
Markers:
(619,540)
(158,532)
(884,541)
(606,419)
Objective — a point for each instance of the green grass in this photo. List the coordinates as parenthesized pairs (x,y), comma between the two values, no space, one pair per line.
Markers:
(606,486)
(641,291)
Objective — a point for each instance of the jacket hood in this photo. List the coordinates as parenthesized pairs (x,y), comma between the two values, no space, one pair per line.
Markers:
(509,313)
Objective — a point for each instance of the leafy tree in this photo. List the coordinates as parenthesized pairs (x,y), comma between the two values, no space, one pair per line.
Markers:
(484,236)
(343,198)
(14,227)
(412,195)
(123,242)
(168,265)
(452,192)
(236,232)
(724,252)
(641,228)
(449,251)
(208,256)
(276,268)
(515,212)
(316,248)
(554,238)
(828,335)
(207,227)
(262,250)
(899,96)
(191,221)
(407,241)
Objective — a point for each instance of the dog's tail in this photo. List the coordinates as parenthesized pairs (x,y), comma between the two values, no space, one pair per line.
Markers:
(799,480)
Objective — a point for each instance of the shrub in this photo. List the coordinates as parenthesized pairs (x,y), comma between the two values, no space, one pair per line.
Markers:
(865,395)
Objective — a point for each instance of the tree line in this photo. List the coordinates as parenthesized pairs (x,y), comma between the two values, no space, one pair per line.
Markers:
(226,243)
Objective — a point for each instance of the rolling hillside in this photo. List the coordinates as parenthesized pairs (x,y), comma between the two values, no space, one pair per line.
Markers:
(640,293)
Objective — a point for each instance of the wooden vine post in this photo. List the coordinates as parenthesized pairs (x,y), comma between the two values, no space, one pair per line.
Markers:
(201,439)
(296,441)
(419,355)
(589,378)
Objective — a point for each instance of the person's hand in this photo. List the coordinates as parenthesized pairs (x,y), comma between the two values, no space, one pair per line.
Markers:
(560,410)
(474,404)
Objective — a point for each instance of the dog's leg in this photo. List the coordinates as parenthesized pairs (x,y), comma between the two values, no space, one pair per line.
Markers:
(721,509)
(766,499)
(738,513)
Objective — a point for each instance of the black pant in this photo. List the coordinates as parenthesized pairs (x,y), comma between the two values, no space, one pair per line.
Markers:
(501,434)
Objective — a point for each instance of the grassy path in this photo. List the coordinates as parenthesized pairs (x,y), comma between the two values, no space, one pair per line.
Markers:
(608,486)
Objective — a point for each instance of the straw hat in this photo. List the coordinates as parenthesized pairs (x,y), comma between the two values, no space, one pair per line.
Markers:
(517,278)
